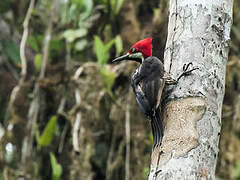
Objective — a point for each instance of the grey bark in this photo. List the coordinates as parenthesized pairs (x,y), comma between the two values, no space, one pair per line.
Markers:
(198,32)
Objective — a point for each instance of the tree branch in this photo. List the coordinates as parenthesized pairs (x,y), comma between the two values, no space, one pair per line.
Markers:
(78,118)
(128,136)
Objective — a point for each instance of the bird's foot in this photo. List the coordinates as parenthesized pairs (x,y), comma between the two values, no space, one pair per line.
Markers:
(186,71)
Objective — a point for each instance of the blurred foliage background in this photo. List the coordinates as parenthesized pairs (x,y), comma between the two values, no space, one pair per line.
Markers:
(71,118)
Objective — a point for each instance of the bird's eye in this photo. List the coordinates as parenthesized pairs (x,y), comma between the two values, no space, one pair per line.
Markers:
(133,50)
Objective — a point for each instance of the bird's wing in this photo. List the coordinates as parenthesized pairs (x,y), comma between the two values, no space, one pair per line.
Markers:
(147,83)
(153,91)
(148,96)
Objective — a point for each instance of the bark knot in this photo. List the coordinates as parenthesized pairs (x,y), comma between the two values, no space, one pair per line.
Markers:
(180,134)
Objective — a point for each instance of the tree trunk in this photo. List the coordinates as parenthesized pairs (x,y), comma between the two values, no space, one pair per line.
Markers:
(198,32)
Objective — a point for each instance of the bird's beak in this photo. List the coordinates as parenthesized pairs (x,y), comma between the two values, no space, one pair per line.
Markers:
(121,58)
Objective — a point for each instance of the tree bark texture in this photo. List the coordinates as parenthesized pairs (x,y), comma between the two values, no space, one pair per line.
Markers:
(198,32)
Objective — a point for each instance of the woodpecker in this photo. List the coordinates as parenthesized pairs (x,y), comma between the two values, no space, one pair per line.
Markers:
(148,81)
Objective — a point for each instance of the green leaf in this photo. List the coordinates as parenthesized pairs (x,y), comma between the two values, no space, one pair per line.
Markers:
(56,167)
(108,78)
(55,44)
(48,132)
(236,172)
(109,45)
(13,52)
(113,6)
(30,95)
(85,6)
(100,50)
(151,136)
(81,45)
(146,171)
(118,45)
(38,61)
(88,8)
(40,39)
(64,13)
(72,34)
(32,42)
(118,6)
(73,12)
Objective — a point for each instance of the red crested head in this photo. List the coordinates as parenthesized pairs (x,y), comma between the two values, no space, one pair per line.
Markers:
(138,52)
(144,46)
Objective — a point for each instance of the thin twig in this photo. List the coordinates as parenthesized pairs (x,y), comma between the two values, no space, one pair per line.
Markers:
(128,136)
(45,49)
(68,56)
(16,89)
(61,105)
(117,160)
(63,135)
(77,121)
(110,154)
(76,128)
(24,39)
(35,104)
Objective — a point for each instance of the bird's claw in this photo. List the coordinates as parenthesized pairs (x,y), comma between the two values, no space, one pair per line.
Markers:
(186,66)
(187,72)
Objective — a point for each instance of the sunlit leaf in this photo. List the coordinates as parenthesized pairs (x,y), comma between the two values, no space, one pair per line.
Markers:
(48,132)
(73,11)
(100,50)
(88,7)
(72,34)
(151,136)
(108,78)
(13,52)
(81,44)
(31,96)
(64,13)
(56,167)
(118,6)
(113,6)
(38,61)
(79,2)
(118,45)
(109,44)
(146,171)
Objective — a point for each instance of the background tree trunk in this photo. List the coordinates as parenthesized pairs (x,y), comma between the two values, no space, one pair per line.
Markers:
(198,32)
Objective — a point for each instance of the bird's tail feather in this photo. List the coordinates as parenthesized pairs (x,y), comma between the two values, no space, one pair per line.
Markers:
(157,128)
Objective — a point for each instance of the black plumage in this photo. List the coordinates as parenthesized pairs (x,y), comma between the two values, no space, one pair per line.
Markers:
(148,83)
